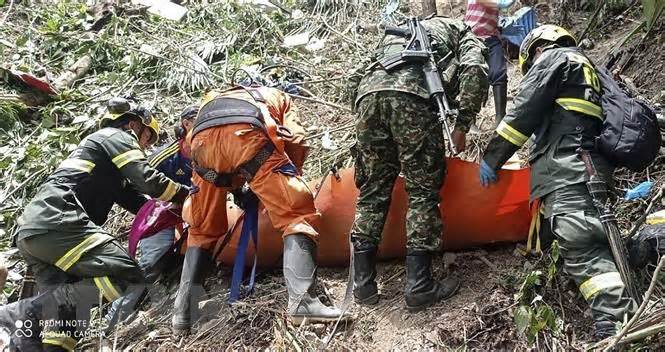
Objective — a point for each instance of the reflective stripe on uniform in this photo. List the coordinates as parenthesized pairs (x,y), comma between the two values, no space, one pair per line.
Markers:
(106,288)
(510,134)
(78,164)
(162,155)
(581,106)
(595,284)
(73,255)
(127,157)
(169,192)
(59,338)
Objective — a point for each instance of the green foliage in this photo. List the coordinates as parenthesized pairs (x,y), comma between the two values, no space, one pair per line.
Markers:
(10,113)
(29,160)
(533,315)
(652,10)
(164,64)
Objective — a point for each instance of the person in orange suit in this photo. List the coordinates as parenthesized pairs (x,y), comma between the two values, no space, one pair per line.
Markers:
(253,135)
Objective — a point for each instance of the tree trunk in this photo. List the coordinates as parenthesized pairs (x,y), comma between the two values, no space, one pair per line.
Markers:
(75,72)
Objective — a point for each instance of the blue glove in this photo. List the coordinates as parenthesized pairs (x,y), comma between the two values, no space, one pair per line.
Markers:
(487,174)
(641,191)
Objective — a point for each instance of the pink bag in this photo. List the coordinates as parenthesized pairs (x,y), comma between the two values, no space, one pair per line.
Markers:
(154,216)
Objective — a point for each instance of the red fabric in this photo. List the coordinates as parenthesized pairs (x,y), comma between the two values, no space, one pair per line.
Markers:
(153,217)
(483,20)
(34,82)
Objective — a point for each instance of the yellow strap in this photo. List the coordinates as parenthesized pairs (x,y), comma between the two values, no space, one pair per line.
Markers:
(534,229)
(127,157)
(78,164)
(162,155)
(106,288)
(539,250)
(58,338)
(169,192)
(73,255)
(595,284)
(581,106)
(511,134)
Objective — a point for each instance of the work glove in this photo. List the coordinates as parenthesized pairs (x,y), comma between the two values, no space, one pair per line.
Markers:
(640,191)
(487,174)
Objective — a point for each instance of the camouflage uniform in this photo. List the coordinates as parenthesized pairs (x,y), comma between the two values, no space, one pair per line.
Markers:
(398,131)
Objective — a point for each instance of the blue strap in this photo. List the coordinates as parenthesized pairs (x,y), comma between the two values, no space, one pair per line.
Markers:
(287,169)
(249,229)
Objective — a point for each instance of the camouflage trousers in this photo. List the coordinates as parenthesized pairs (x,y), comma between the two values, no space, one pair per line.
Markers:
(398,132)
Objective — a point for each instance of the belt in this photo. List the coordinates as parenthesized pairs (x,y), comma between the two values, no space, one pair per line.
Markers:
(247,170)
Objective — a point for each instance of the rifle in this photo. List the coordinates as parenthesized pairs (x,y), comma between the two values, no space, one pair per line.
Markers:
(598,190)
(418,49)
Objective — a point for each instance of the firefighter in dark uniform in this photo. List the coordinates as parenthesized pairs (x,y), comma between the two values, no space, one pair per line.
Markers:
(172,160)
(559,101)
(60,235)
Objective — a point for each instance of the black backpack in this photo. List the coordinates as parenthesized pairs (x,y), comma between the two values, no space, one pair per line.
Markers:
(630,136)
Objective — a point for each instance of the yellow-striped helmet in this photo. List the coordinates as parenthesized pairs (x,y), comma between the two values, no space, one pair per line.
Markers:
(546,33)
(121,107)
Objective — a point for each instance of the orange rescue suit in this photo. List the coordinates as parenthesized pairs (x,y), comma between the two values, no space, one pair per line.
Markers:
(286,197)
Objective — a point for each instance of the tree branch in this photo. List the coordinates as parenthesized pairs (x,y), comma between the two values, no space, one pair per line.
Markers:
(643,306)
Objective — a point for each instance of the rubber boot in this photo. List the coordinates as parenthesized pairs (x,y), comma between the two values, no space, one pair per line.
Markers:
(422,290)
(123,307)
(195,268)
(365,291)
(500,92)
(604,329)
(19,323)
(300,277)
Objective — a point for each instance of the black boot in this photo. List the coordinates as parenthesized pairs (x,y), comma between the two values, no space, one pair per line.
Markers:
(196,266)
(422,290)
(365,291)
(300,277)
(23,315)
(604,329)
(500,92)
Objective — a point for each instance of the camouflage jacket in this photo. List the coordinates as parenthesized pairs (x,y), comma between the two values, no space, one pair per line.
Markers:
(461,60)
(559,102)
(107,167)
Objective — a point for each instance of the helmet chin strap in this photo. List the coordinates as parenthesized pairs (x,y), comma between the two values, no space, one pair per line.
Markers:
(141,131)
(138,133)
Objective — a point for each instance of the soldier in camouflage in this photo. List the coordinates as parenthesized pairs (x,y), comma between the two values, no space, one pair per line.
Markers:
(398,131)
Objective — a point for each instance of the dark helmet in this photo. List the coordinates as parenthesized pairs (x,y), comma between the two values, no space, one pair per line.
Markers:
(120,107)
(546,33)
(189,112)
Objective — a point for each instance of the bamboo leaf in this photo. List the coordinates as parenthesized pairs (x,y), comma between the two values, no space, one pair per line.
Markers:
(652,10)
